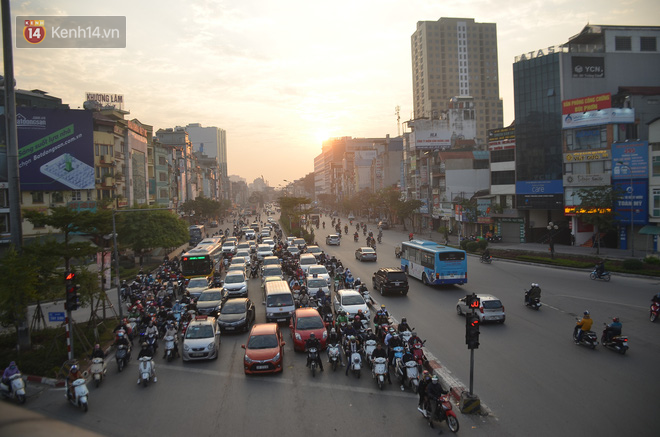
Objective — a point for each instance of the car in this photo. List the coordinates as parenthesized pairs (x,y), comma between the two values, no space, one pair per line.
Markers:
(300,242)
(366,254)
(270,242)
(232,240)
(384,224)
(201,340)
(236,268)
(306,260)
(248,233)
(243,253)
(318,271)
(314,284)
(389,280)
(265,233)
(351,216)
(255,226)
(236,314)
(333,240)
(271,271)
(243,246)
(253,246)
(314,250)
(264,349)
(293,250)
(213,224)
(350,301)
(209,302)
(304,322)
(196,286)
(235,285)
(239,259)
(289,240)
(490,308)
(271,261)
(264,250)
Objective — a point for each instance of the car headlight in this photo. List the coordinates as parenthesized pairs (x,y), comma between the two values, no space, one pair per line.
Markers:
(276,357)
(325,334)
(211,346)
(249,360)
(298,337)
(186,347)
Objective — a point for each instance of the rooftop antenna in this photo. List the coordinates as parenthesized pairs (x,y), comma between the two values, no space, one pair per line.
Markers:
(397,111)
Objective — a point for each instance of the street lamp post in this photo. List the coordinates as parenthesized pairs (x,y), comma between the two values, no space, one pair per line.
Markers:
(552,229)
(632,202)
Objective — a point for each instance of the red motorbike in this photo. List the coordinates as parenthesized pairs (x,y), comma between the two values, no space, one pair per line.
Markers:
(443,411)
(655,309)
(418,353)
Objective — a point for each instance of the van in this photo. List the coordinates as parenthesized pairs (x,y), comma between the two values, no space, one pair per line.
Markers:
(306,260)
(279,301)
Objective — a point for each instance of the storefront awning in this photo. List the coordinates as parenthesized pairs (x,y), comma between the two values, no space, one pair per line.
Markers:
(650,230)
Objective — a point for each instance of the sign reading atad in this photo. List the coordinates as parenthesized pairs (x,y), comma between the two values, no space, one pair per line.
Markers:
(55,149)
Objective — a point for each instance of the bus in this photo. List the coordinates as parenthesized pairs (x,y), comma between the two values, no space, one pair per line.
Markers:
(197,234)
(200,261)
(433,263)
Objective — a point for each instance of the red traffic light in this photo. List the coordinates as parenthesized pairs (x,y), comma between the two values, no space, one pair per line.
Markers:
(70,276)
(475,303)
(474,322)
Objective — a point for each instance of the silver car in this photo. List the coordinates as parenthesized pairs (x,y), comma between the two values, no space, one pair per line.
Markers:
(202,339)
(235,285)
(490,308)
(333,240)
(350,301)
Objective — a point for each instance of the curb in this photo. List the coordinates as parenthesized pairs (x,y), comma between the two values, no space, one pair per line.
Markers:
(434,365)
(46,381)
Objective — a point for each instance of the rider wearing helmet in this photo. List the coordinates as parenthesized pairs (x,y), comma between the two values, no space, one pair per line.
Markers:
(403,326)
(10,371)
(583,325)
(414,339)
(334,339)
(98,352)
(147,352)
(613,329)
(395,341)
(433,391)
(424,382)
(313,342)
(74,373)
(352,346)
(533,293)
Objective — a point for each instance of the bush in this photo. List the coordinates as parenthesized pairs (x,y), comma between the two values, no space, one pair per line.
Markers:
(632,264)
(483,244)
(472,246)
(652,260)
(464,244)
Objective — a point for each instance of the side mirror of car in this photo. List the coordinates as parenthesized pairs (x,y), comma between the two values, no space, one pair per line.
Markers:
(243,346)
(283,343)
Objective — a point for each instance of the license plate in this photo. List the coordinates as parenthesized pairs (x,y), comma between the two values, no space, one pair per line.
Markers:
(261,367)
(281,320)
(196,355)
(229,328)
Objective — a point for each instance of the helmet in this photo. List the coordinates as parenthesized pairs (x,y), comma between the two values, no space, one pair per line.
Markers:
(97,346)
(382,307)
(176,301)
(414,334)
(144,344)
(357,317)
(352,339)
(435,379)
(369,330)
(74,368)
(312,335)
(586,313)
(425,373)
(616,319)
(12,365)
(403,320)
(395,335)
(391,330)
(120,334)
(358,279)
(333,331)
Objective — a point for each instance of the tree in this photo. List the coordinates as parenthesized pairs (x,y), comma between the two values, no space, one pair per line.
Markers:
(18,286)
(328,201)
(405,208)
(596,208)
(204,207)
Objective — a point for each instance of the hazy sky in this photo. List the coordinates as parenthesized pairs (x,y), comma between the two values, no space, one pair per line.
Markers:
(282,76)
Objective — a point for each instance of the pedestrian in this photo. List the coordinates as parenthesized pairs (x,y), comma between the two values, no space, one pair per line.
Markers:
(572,239)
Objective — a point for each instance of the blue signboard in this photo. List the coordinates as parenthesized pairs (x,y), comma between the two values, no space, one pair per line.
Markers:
(639,200)
(633,156)
(56,317)
(55,149)
(540,187)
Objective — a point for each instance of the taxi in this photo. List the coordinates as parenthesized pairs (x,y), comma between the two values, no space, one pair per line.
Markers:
(202,339)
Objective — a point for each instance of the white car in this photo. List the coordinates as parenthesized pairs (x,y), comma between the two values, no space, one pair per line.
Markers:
(314,284)
(318,271)
(270,242)
(293,250)
(235,285)
(333,240)
(229,247)
(202,339)
(264,250)
(249,233)
(350,301)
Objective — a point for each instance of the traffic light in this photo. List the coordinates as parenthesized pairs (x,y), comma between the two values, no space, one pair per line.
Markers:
(71,303)
(473,301)
(472,331)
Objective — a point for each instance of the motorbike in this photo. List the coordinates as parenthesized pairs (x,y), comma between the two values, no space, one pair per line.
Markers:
(486,259)
(397,252)
(152,342)
(379,370)
(333,355)
(418,353)
(588,338)
(406,336)
(443,411)
(654,311)
(328,320)
(145,371)
(356,363)
(98,370)
(79,394)
(618,343)
(122,357)
(312,356)
(17,388)
(604,276)
(534,303)
(411,376)
(169,347)
(355,237)
(369,348)
(398,362)
(379,239)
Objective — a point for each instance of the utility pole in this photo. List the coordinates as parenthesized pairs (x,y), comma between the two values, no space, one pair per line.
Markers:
(397,112)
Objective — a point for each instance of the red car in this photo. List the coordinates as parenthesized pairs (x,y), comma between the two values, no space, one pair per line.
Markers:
(303,322)
(264,349)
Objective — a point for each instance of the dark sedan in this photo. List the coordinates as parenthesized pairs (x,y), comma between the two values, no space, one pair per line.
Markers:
(237,314)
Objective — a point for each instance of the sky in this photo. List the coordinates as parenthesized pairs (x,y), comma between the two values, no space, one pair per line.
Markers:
(282,76)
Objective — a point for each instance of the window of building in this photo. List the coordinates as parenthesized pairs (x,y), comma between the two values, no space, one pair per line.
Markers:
(656,166)
(4,223)
(37,197)
(622,43)
(502,155)
(76,195)
(656,202)
(4,198)
(648,44)
(57,197)
(503,177)
(163,193)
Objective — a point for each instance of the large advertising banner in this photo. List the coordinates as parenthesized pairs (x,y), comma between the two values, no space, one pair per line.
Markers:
(634,157)
(598,117)
(55,149)
(633,204)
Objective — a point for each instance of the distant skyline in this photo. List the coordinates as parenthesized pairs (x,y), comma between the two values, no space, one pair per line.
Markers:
(281,77)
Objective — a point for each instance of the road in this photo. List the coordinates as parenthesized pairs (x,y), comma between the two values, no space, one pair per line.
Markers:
(527,371)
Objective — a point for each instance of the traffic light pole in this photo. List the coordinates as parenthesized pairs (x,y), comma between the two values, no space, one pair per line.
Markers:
(472,370)
(469,402)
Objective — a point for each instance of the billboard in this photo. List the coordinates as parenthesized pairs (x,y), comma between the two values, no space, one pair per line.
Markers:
(55,149)
(588,67)
(635,156)
(584,104)
(638,201)
(598,117)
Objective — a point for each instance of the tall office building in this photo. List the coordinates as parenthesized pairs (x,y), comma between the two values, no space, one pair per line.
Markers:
(456,57)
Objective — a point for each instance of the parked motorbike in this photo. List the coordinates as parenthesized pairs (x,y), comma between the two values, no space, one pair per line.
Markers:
(79,394)
(588,338)
(443,411)
(654,311)
(379,371)
(122,356)
(17,386)
(312,356)
(604,276)
(145,371)
(169,347)
(618,343)
(98,370)
(333,355)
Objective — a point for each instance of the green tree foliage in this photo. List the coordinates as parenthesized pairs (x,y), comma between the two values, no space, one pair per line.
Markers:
(145,230)
(18,287)
(597,208)
(406,208)
(205,208)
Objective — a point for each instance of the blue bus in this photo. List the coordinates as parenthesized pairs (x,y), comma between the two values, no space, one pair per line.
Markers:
(433,263)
